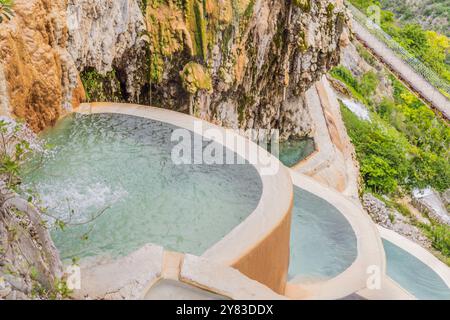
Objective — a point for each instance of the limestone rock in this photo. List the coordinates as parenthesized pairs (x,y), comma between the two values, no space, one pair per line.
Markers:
(353,60)
(261,55)
(377,210)
(393,220)
(28,256)
(107,35)
(430,202)
(260,61)
(38,75)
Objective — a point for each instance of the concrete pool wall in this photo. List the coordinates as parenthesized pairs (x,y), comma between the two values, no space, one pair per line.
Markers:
(392,290)
(332,163)
(369,247)
(152,273)
(417,251)
(259,246)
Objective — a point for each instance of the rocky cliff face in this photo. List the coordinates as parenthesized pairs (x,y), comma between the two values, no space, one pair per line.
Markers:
(29,263)
(38,80)
(107,37)
(242,63)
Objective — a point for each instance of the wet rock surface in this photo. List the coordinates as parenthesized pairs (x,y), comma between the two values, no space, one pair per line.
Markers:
(261,61)
(259,57)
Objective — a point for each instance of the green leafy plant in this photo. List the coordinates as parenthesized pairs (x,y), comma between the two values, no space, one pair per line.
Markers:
(368,84)
(440,237)
(17,142)
(396,153)
(406,145)
(101,87)
(6,10)
(362,89)
(60,290)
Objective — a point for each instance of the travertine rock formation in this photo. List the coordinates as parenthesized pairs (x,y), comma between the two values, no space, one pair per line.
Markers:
(261,55)
(240,63)
(39,77)
(107,36)
(253,59)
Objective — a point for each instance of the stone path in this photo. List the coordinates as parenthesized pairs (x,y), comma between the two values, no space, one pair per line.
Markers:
(415,81)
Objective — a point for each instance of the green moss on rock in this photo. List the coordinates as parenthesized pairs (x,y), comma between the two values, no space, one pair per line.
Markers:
(302,42)
(195,77)
(100,87)
(305,5)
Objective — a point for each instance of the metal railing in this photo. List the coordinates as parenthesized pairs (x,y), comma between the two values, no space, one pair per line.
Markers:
(418,66)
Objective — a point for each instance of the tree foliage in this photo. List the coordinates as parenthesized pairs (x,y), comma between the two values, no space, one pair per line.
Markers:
(405,145)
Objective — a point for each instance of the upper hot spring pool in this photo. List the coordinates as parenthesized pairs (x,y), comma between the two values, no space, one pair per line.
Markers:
(414,275)
(292,151)
(323,243)
(295,150)
(118,170)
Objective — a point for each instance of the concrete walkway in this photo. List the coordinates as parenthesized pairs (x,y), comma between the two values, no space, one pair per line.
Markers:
(333,161)
(416,82)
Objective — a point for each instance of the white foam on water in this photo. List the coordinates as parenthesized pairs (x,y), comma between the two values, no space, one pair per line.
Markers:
(122,163)
(74,205)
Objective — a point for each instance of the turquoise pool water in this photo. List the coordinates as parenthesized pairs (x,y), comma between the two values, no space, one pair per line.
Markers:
(295,150)
(323,243)
(414,275)
(121,165)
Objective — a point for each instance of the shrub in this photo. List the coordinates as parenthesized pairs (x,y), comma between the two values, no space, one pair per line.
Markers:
(382,153)
(440,237)
(369,83)
(17,142)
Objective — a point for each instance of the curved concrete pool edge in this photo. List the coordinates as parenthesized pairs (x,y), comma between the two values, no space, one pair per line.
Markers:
(390,289)
(259,246)
(369,247)
(137,276)
(442,270)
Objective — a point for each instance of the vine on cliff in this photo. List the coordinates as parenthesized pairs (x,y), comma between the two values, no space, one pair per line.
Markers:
(6,10)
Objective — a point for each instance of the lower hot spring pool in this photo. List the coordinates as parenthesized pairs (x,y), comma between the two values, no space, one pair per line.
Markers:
(413,275)
(323,243)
